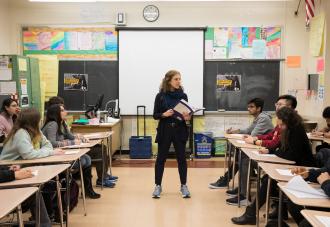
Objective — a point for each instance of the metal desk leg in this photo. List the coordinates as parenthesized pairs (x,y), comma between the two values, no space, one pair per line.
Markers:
(38,196)
(20,216)
(102,151)
(67,196)
(239,176)
(59,200)
(248,186)
(267,199)
(229,162)
(280,208)
(257,196)
(109,140)
(233,173)
(82,187)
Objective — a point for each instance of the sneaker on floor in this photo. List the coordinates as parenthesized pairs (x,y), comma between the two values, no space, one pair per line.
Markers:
(106,183)
(184,191)
(111,178)
(220,183)
(232,192)
(234,201)
(157,191)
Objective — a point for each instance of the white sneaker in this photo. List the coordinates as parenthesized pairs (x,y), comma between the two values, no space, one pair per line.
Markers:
(157,191)
(184,191)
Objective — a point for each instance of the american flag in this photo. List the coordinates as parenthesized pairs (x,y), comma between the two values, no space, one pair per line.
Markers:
(310,10)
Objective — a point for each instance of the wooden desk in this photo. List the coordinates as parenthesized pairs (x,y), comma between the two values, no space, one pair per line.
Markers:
(255,156)
(324,203)
(12,198)
(45,174)
(315,138)
(237,143)
(271,170)
(90,144)
(234,136)
(310,216)
(102,127)
(56,159)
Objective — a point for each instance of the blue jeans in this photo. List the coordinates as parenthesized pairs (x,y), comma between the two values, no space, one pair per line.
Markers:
(85,160)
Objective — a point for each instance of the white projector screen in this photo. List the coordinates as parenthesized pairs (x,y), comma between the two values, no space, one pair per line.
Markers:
(146,55)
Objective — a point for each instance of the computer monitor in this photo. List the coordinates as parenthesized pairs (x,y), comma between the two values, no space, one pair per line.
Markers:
(92,109)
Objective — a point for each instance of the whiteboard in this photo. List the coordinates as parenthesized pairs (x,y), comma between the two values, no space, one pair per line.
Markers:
(146,55)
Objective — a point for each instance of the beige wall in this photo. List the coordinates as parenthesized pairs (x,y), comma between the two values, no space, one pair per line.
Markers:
(4,28)
(295,37)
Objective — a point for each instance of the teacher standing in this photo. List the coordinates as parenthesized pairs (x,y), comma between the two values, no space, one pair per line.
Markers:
(170,130)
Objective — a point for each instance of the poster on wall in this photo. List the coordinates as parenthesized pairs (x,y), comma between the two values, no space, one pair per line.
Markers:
(237,42)
(76,81)
(229,82)
(24,101)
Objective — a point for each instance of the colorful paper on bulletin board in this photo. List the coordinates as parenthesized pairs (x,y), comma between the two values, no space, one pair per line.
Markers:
(71,42)
(44,40)
(57,41)
(234,35)
(111,41)
(320,65)
(273,35)
(30,41)
(209,34)
(245,36)
(220,37)
(293,61)
(208,49)
(234,50)
(273,52)
(219,53)
(259,49)
(316,34)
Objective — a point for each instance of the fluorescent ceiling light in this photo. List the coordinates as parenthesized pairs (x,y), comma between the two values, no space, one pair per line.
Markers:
(67,1)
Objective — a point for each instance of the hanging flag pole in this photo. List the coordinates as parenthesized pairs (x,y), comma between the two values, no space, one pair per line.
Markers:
(310,10)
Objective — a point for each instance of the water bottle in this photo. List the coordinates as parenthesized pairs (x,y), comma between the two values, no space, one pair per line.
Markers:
(98,115)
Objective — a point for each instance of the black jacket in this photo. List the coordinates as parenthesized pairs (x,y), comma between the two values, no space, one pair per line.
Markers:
(299,148)
(6,174)
(160,106)
(315,173)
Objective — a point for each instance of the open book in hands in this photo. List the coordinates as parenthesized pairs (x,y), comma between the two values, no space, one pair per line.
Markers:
(184,107)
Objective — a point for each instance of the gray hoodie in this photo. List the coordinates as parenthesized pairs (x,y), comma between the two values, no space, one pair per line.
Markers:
(261,125)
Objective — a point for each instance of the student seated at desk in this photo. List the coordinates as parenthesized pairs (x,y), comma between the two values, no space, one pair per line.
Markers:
(58,134)
(320,176)
(323,150)
(12,173)
(295,146)
(8,115)
(271,140)
(95,153)
(25,140)
(261,124)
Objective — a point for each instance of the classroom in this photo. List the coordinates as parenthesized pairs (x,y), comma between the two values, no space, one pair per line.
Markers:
(200,112)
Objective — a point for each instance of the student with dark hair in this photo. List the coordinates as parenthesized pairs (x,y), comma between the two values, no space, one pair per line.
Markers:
(94,153)
(323,150)
(9,111)
(320,176)
(261,124)
(295,146)
(13,173)
(59,135)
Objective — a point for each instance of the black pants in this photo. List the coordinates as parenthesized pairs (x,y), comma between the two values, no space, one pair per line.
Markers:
(171,135)
(96,153)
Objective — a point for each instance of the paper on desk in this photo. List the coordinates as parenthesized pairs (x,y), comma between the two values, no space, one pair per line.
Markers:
(71,152)
(263,155)
(285,172)
(35,172)
(299,188)
(240,141)
(324,220)
(237,135)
